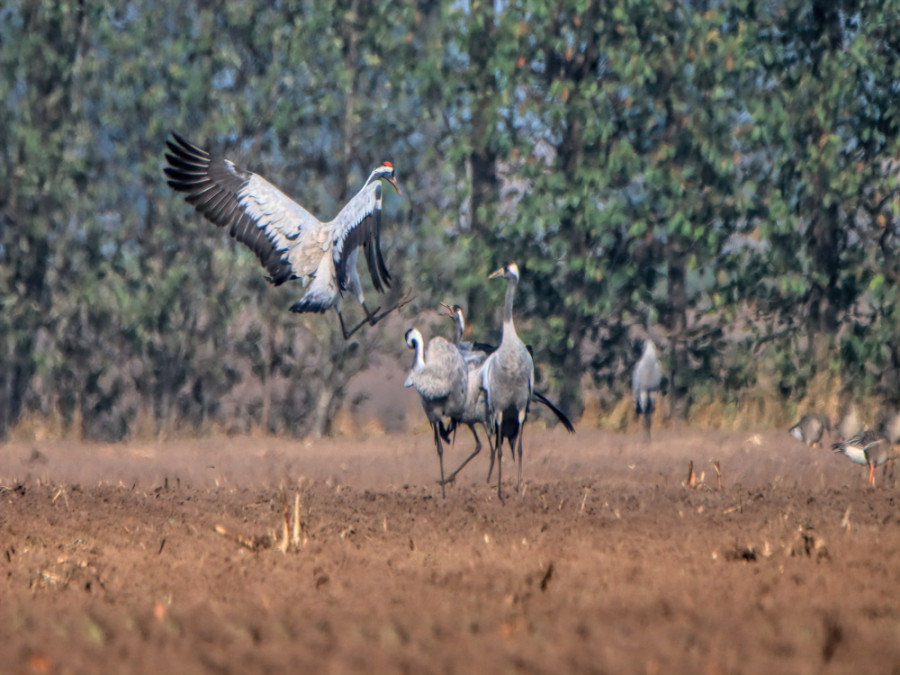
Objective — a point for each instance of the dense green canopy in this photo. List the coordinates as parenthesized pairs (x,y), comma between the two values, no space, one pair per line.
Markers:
(730,169)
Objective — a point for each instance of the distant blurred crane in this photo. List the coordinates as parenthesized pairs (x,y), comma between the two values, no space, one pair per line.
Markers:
(645,383)
(289,241)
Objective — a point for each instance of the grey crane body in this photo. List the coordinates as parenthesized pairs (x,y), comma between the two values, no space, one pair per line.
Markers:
(508,381)
(440,376)
(645,383)
(289,241)
(810,428)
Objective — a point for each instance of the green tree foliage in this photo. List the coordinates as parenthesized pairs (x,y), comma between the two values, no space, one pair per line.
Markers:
(729,168)
(829,133)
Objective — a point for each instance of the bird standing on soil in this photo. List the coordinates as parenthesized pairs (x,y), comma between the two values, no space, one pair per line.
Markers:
(868,447)
(810,428)
(440,376)
(289,241)
(508,381)
(645,383)
(475,354)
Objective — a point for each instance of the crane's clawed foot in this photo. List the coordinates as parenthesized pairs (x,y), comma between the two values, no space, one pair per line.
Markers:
(448,480)
(452,477)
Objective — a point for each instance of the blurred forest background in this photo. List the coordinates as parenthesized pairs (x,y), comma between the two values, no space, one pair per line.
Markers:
(729,167)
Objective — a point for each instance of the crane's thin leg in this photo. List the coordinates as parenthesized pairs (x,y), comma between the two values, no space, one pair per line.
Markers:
(374,318)
(440,452)
(468,459)
(493,433)
(495,450)
(343,327)
(519,439)
(371,317)
(349,334)
(498,439)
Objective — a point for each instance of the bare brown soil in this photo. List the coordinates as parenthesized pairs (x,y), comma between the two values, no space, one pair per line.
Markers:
(167,557)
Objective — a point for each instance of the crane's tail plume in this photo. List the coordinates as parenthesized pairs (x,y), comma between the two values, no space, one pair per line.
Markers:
(560,415)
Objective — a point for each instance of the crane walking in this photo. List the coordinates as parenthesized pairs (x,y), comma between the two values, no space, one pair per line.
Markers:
(289,241)
(440,376)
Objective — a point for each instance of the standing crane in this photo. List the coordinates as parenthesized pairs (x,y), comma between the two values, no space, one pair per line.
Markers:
(508,380)
(289,241)
(475,354)
(440,375)
(645,383)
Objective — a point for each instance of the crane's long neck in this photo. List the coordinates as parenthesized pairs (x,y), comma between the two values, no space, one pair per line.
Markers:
(460,328)
(420,357)
(509,328)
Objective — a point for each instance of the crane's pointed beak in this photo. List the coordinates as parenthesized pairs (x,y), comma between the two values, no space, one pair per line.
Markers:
(393,181)
(448,308)
(497,273)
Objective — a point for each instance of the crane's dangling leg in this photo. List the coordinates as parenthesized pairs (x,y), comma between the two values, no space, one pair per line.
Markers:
(343,327)
(371,317)
(374,317)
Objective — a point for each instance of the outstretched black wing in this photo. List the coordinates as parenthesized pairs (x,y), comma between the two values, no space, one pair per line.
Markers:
(281,233)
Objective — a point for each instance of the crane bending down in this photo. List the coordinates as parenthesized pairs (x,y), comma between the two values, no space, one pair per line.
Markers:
(289,241)
(508,381)
(475,412)
(645,384)
(440,375)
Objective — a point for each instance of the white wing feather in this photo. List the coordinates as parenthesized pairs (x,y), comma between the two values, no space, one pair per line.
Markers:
(291,228)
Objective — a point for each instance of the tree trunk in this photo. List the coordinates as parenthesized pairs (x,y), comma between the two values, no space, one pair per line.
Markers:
(676,323)
(322,411)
